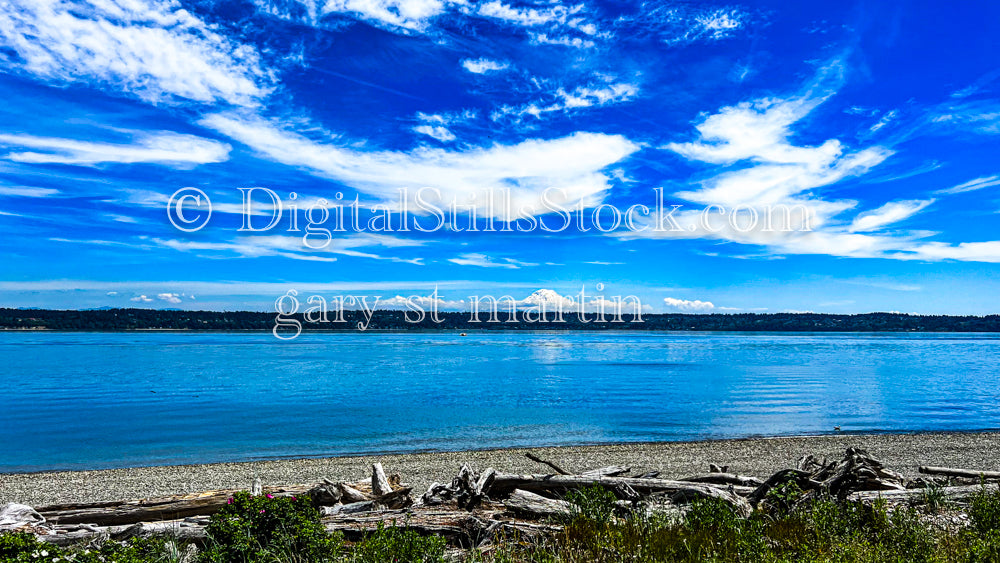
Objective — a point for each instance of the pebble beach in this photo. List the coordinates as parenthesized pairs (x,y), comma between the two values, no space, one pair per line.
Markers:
(754,456)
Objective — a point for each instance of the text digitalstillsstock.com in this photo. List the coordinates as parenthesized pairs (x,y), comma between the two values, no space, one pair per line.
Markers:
(493,210)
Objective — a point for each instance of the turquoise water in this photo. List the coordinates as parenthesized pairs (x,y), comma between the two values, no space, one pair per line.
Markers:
(118,400)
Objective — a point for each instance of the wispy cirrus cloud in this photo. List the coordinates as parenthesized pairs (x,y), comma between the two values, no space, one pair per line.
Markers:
(27,191)
(596,94)
(678,24)
(399,16)
(972,185)
(436,126)
(761,167)
(888,214)
(153,49)
(294,247)
(572,165)
(486,261)
(151,147)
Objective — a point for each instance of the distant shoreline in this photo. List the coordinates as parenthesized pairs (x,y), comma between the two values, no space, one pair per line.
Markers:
(747,456)
(155,320)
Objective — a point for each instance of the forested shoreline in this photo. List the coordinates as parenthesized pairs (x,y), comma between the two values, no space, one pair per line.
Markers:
(120,320)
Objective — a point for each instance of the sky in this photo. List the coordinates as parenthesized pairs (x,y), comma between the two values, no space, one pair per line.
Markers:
(875,124)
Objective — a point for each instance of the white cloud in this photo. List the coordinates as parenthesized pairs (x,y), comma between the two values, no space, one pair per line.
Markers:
(403,16)
(484,66)
(987,251)
(496,9)
(982,116)
(485,261)
(437,125)
(112,293)
(972,185)
(757,134)
(141,299)
(593,95)
(154,49)
(294,247)
(760,166)
(572,164)
(556,24)
(886,119)
(438,132)
(687,306)
(892,212)
(158,147)
(678,24)
(169,297)
(426,302)
(412,15)
(716,25)
(27,191)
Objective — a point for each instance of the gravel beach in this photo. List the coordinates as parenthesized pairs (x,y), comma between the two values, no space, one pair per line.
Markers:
(756,456)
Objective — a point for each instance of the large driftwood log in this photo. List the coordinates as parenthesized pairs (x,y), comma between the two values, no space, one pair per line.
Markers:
(954,472)
(188,529)
(609,471)
(536,506)
(380,483)
(349,494)
(725,479)
(151,510)
(677,490)
(950,493)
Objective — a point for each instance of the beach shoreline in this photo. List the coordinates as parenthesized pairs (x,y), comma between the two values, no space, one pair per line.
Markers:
(747,456)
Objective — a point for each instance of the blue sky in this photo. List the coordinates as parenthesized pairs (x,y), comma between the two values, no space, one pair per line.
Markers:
(882,119)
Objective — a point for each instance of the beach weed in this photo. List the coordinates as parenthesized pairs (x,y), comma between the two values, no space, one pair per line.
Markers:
(267,529)
(984,509)
(398,545)
(933,497)
(594,504)
(19,547)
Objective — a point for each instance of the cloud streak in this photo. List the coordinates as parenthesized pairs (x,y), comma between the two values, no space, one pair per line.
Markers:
(152,49)
(148,147)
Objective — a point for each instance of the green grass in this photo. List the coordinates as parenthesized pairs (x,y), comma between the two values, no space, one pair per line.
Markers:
(263,530)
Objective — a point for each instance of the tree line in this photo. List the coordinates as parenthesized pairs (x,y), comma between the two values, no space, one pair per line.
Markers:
(117,320)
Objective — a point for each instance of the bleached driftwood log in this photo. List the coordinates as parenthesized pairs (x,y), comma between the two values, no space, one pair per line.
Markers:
(955,472)
(677,490)
(953,494)
(536,506)
(380,483)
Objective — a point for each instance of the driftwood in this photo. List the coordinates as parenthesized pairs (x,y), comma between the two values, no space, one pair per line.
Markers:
(677,490)
(349,494)
(151,510)
(476,508)
(554,467)
(380,483)
(857,471)
(953,472)
(725,479)
(536,506)
(609,471)
(459,527)
(909,495)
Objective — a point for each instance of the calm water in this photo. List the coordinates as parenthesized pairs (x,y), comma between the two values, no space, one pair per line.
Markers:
(114,400)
